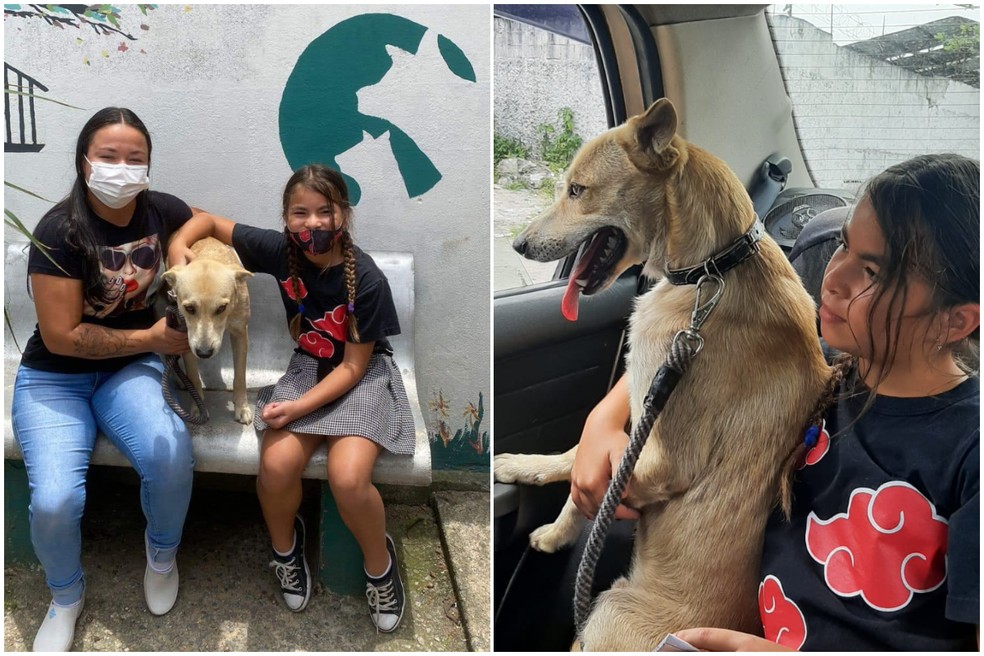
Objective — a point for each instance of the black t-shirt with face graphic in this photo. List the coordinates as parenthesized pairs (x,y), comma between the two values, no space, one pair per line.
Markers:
(131,259)
(324,329)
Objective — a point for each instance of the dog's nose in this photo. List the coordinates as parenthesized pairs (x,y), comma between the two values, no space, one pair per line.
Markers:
(204,353)
(520,245)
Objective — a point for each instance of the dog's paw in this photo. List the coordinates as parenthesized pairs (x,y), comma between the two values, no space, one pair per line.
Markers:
(550,538)
(515,468)
(244,415)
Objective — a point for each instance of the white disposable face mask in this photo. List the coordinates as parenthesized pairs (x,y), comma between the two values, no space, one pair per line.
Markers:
(115,185)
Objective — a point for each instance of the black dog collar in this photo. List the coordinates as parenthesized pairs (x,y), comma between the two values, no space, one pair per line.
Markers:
(734,254)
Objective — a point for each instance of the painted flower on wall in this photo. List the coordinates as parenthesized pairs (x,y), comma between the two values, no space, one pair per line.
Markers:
(439,405)
(469,446)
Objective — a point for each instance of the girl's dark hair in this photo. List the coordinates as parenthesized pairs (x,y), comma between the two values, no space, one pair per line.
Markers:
(330,184)
(928,209)
(79,235)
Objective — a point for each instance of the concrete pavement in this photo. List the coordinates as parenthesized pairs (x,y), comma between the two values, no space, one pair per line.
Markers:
(229,598)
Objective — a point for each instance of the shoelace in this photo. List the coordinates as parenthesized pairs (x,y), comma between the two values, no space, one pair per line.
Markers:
(382,599)
(289,575)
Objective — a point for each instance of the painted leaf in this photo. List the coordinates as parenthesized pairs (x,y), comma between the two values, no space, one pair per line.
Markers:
(455,59)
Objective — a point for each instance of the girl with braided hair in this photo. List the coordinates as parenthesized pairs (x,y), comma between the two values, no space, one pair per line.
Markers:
(341,385)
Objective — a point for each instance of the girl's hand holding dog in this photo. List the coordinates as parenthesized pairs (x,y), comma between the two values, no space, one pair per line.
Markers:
(179,254)
(602,445)
(706,639)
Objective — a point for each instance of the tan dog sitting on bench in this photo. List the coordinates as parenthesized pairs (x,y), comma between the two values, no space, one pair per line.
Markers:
(213,298)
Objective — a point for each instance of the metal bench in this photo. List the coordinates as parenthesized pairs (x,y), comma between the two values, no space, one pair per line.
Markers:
(223,445)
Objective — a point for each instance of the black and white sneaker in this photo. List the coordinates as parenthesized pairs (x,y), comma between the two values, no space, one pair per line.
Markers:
(293,572)
(385,594)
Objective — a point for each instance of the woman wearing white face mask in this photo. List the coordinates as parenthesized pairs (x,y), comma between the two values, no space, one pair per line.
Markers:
(92,365)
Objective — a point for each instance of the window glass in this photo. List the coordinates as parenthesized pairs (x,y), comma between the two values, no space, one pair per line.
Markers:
(872,85)
(548,99)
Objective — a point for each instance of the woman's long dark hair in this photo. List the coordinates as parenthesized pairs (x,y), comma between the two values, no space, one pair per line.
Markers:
(928,209)
(78,234)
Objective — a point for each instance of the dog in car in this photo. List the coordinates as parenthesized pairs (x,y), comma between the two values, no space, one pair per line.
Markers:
(213,299)
(721,454)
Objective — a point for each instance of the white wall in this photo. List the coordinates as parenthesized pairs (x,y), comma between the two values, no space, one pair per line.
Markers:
(207,80)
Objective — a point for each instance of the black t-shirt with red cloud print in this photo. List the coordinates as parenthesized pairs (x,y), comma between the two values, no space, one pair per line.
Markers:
(883,549)
(131,262)
(324,295)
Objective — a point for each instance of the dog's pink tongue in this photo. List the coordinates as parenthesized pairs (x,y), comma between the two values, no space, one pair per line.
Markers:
(568,306)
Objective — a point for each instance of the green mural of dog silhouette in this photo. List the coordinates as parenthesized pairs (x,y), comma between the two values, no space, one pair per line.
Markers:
(319,110)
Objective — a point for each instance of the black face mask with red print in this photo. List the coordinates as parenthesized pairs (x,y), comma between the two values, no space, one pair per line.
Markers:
(315,242)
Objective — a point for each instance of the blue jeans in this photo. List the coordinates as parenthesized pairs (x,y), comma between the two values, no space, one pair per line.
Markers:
(55,418)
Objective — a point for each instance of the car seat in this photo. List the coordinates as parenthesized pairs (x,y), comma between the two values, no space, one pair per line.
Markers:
(815,245)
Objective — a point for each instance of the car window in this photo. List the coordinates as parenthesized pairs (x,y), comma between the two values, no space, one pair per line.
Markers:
(548,100)
(873,85)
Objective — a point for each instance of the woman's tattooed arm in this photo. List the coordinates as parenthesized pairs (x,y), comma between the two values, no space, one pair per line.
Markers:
(92,341)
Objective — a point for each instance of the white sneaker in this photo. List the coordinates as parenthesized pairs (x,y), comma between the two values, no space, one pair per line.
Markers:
(57,631)
(160,590)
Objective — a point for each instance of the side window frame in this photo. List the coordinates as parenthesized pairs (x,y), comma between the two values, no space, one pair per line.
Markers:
(596,20)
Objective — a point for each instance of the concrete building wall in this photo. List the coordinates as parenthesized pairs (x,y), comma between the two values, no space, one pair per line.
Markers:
(537,73)
(857,115)
(235,96)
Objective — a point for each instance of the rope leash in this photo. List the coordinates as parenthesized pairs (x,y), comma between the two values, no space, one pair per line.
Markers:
(684,348)
(171,365)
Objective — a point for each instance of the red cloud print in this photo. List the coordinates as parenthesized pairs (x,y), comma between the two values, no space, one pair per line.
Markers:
(316,344)
(819,450)
(332,323)
(289,288)
(782,619)
(889,545)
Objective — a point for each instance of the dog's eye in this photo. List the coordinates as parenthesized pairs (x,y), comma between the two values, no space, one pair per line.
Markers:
(221,309)
(189,309)
(575,190)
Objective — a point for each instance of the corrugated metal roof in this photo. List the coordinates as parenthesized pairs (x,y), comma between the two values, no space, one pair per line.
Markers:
(919,50)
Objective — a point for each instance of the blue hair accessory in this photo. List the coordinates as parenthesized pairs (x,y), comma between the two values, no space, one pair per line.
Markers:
(300,308)
(810,438)
(351,308)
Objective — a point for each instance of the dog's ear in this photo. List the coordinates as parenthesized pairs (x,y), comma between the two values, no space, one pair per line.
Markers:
(243,274)
(171,275)
(654,131)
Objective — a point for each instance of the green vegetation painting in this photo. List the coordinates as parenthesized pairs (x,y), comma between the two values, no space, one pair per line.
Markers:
(319,112)
(468,448)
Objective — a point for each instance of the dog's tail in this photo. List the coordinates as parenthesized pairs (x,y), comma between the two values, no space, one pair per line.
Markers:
(795,459)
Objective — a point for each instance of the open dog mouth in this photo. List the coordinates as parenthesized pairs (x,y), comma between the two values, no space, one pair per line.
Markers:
(602,251)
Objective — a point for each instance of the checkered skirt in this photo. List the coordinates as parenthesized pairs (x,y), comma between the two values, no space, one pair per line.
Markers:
(376,408)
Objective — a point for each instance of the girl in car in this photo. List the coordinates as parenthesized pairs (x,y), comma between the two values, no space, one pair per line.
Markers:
(92,365)
(341,386)
(883,546)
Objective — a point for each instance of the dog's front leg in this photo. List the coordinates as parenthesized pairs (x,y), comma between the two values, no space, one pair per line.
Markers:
(533,469)
(240,343)
(562,533)
(191,368)
(540,470)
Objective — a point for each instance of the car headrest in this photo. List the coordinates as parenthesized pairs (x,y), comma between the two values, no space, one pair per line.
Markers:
(814,245)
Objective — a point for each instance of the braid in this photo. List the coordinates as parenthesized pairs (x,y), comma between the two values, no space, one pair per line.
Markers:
(295,323)
(349,251)
(838,371)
